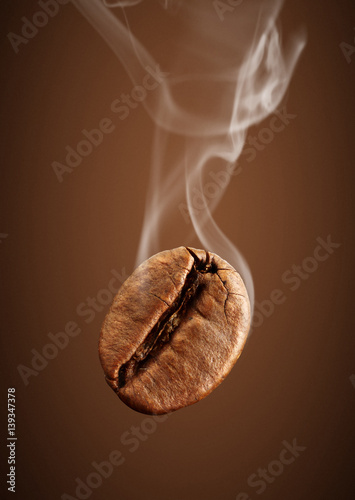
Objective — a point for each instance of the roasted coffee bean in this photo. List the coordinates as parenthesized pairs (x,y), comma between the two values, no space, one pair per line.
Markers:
(174,331)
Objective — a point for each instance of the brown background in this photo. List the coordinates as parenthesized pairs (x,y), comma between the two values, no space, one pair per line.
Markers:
(292,380)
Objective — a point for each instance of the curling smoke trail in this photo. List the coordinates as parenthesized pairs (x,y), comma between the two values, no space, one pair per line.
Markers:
(223,77)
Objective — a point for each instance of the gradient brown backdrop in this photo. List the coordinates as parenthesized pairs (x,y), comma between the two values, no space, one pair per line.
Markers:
(293,379)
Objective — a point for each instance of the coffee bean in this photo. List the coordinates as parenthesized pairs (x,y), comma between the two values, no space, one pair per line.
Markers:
(174,331)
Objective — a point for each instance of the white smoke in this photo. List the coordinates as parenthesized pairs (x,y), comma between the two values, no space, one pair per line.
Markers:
(224,75)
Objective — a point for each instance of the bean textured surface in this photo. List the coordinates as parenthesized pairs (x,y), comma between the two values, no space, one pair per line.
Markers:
(174,330)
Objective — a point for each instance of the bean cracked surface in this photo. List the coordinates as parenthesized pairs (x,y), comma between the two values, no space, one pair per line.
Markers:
(174,331)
